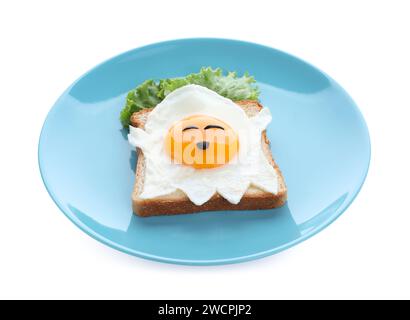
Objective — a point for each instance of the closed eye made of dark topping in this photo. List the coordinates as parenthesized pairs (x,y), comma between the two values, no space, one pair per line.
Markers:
(189,128)
(213,126)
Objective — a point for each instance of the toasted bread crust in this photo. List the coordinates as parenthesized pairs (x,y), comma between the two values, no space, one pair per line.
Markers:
(179,203)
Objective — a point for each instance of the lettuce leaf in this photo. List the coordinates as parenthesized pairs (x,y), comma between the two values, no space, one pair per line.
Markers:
(150,93)
(144,96)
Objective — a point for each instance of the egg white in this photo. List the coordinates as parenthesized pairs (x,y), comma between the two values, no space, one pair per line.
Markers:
(162,176)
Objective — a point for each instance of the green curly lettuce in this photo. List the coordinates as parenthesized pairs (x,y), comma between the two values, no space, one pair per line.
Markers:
(150,92)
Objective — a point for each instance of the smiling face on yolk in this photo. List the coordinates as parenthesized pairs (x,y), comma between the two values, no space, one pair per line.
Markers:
(201,142)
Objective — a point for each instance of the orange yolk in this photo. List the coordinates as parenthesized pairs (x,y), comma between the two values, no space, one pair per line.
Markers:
(202,142)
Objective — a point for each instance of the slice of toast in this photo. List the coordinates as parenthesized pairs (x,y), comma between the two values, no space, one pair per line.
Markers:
(178,203)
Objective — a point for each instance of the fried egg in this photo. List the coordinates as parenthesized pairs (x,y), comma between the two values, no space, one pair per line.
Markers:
(201,143)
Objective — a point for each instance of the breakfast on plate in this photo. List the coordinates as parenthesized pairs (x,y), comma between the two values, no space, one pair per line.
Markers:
(201,145)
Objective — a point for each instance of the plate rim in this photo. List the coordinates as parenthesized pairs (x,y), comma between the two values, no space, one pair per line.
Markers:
(198,262)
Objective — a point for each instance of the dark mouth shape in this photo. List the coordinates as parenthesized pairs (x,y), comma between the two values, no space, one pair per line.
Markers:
(203,145)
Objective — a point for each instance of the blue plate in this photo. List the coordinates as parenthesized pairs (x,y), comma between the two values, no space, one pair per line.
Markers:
(318,137)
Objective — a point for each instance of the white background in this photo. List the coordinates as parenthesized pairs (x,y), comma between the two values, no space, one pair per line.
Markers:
(364,45)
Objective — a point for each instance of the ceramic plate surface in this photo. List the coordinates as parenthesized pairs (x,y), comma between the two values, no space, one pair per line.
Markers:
(318,138)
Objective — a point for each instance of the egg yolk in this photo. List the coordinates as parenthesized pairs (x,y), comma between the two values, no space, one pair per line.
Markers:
(202,142)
